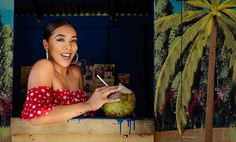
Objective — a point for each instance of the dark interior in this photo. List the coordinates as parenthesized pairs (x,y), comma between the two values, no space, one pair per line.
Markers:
(110,31)
(40,8)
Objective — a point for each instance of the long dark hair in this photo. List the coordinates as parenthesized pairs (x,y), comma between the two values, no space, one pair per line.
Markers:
(52,25)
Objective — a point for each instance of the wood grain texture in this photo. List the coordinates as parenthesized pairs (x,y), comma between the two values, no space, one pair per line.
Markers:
(85,130)
(86,126)
(196,135)
(83,138)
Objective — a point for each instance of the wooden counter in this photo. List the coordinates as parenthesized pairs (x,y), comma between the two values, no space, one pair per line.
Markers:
(196,135)
(85,130)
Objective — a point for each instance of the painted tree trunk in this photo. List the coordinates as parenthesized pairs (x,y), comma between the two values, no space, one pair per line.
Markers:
(211,85)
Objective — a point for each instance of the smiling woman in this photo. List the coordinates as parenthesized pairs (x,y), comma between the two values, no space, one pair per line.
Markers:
(62,40)
(55,87)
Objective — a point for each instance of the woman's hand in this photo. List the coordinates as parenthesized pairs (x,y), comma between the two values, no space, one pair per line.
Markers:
(100,96)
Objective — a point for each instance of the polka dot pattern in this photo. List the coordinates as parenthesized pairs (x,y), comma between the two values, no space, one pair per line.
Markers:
(66,97)
(41,100)
(37,102)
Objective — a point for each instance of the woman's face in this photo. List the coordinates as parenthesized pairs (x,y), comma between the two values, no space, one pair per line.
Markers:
(62,45)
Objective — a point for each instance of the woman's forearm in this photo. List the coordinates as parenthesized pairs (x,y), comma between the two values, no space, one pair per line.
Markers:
(62,112)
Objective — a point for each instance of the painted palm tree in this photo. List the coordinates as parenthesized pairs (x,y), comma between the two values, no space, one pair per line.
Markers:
(209,17)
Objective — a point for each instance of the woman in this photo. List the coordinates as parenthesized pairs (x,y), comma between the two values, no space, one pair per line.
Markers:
(55,87)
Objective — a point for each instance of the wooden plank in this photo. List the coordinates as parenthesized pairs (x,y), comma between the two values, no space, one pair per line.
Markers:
(196,135)
(6,139)
(82,138)
(87,126)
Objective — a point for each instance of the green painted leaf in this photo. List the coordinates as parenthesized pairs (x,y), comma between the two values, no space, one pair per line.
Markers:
(199,3)
(174,20)
(229,42)
(227,4)
(191,65)
(231,13)
(169,66)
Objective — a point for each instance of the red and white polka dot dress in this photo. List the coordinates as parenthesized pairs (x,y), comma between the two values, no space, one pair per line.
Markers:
(41,100)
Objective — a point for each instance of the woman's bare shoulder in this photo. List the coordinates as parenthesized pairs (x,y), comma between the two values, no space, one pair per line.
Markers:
(77,76)
(43,66)
(41,74)
(43,62)
(75,70)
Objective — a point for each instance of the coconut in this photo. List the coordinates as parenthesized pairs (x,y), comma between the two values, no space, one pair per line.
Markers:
(124,107)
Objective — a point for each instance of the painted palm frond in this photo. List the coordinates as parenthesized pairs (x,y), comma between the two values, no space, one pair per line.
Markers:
(229,45)
(234,73)
(217,2)
(228,21)
(194,58)
(169,67)
(225,24)
(191,65)
(199,3)
(230,13)
(227,4)
(195,38)
(167,22)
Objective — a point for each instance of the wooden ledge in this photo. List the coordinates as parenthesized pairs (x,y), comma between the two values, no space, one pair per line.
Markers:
(87,126)
(196,135)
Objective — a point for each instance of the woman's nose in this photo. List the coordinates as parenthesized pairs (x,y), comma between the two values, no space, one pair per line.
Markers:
(68,46)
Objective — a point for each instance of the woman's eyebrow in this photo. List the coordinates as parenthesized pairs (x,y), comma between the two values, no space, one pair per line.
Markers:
(59,35)
(74,37)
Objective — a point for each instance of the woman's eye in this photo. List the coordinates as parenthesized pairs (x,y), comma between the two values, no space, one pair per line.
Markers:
(74,41)
(60,40)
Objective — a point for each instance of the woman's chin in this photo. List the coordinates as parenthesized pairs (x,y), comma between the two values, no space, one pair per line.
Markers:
(65,63)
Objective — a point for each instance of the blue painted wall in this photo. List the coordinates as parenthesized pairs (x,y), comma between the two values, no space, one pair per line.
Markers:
(127,42)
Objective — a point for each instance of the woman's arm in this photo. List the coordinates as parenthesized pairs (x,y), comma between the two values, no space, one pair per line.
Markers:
(64,112)
(42,75)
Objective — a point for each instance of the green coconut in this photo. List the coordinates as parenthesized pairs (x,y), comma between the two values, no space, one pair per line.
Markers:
(124,107)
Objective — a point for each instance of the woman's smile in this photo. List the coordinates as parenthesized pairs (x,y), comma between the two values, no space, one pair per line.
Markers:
(66,56)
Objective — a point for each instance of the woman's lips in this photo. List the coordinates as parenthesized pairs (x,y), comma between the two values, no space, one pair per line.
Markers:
(66,55)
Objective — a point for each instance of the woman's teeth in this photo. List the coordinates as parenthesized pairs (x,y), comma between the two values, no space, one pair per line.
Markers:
(66,54)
